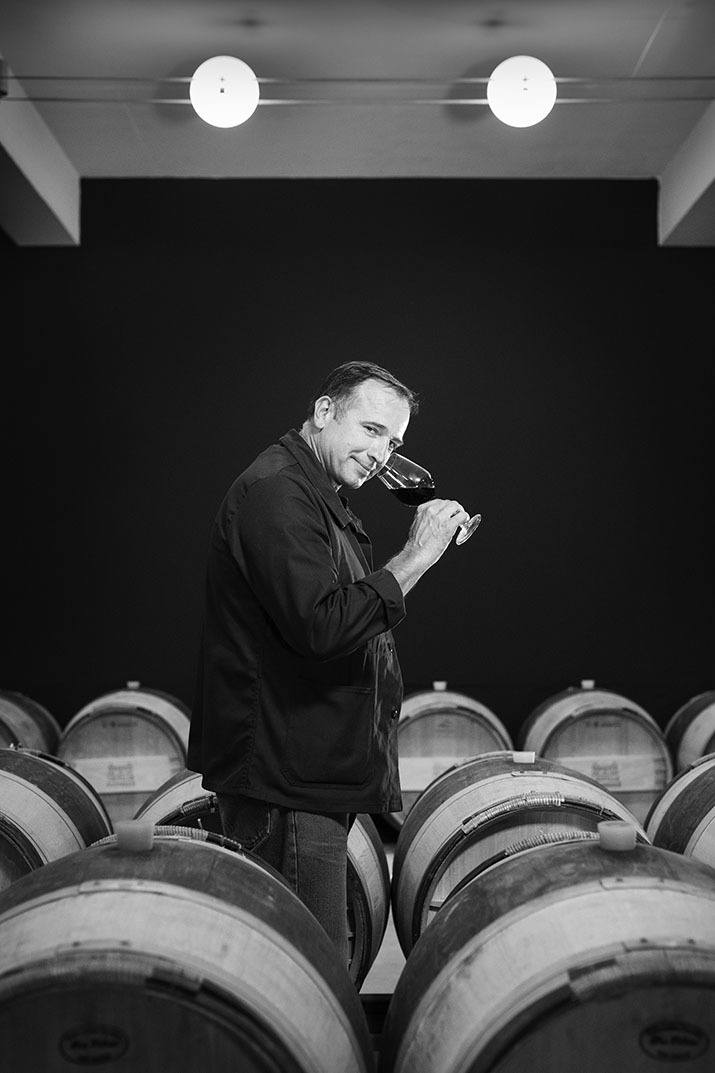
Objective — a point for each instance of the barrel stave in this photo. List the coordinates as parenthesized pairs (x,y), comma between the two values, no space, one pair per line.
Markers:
(127,743)
(437,729)
(209,914)
(25,722)
(48,811)
(368,880)
(201,1020)
(690,733)
(474,816)
(528,939)
(683,817)
(606,736)
(180,801)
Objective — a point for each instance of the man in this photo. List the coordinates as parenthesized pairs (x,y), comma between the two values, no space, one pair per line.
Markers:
(299,689)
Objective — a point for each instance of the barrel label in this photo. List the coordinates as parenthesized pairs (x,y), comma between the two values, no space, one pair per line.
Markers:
(112,774)
(673,1041)
(93,1045)
(632,772)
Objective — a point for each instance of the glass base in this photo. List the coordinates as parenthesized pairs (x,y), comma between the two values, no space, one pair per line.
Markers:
(466,530)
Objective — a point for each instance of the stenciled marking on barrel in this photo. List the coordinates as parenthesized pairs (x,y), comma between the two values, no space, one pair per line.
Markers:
(93,1045)
(674,1041)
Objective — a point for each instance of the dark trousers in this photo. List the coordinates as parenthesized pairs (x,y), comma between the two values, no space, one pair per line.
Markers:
(309,849)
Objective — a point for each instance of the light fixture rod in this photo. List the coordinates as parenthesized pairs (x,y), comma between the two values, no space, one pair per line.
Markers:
(576,80)
(352,101)
(663,89)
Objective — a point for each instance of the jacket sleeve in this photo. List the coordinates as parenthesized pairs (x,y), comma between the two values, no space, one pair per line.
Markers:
(279,540)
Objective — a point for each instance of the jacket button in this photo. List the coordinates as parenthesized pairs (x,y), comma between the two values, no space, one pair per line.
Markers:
(395,712)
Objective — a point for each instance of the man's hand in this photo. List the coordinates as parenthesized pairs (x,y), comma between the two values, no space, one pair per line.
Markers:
(432,529)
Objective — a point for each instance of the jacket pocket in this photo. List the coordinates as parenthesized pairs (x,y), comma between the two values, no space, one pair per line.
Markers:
(329,736)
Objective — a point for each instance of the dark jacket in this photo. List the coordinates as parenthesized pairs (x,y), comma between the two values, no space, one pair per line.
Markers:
(299,688)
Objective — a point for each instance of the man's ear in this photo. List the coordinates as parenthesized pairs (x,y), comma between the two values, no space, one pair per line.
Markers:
(323,410)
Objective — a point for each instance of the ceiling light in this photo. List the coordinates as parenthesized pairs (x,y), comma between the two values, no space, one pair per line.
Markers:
(224,91)
(521,91)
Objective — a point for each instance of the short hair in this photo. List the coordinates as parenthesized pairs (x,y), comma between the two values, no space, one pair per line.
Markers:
(342,381)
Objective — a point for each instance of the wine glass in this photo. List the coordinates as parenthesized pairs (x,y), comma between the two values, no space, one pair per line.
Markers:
(412,484)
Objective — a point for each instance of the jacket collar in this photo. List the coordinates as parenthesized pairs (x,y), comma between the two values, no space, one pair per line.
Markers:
(314,471)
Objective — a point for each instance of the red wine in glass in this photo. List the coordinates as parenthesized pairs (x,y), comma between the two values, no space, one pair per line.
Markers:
(414,496)
(412,484)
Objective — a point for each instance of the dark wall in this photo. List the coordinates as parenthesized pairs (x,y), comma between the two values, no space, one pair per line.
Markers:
(565,364)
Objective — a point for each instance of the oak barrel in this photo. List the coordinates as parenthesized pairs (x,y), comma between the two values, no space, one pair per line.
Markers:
(690,733)
(127,743)
(25,722)
(567,957)
(183,956)
(682,818)
(438,728)
(480,813)
(47,811)
(182,800)
(606,736)
(368,896)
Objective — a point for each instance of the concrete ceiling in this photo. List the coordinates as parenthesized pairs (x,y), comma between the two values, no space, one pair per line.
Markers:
(88,81)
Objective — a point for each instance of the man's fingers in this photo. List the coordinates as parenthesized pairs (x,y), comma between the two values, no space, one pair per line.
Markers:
(449,508)
(448,514)
(434,526)
(437,506)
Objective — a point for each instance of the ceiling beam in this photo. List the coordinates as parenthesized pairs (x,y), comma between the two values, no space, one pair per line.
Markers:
(686,209)
(39,186)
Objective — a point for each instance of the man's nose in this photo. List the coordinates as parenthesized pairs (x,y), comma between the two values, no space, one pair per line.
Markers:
(379,451)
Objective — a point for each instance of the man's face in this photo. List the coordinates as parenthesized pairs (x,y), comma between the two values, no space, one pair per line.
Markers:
(356,439)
